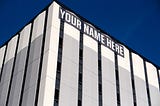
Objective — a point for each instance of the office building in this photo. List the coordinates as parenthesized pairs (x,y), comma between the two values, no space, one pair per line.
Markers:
(61,59)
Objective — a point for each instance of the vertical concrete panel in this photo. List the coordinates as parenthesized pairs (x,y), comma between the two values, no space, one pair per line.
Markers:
(153,84)
(22,49)
(38,26)
(2,52)
(125,79)
(24,38)
(108,77)
(34,61)
(140,83)
(47,86)
(30,84)
(37,35)
(7,70)
(90,72)
(15,89)
(11,48)
(19,67)
(53,26)
(3,96)
(70,67)
(53,16)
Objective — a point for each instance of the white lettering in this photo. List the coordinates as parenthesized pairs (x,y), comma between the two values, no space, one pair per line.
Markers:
(97,35)
(113,45)
(86,29)
(62,13)
(117,48)
(91,32)
(78,24)
(68,17)
(73,20)
(102,39)
(109,43)
(121,51)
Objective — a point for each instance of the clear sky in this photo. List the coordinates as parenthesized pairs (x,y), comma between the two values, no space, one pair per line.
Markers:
(136,23)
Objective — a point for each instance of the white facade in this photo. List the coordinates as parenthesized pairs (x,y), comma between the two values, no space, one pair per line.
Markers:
(53,62)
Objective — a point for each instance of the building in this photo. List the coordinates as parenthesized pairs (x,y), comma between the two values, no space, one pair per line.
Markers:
(61,59)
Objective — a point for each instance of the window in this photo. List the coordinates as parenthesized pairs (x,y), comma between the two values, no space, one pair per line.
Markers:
(79,103)
(99,65)
(81,54)
(56,95)
(60,42)
(100,89)
(58,67)
(80,78)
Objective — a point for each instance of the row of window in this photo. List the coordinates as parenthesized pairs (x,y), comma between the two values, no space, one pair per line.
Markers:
(80,76)
(117,81)
(80,80)
(100,76)
(59,64)
(132,80)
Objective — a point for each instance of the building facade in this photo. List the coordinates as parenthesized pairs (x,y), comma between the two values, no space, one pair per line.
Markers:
(61,59)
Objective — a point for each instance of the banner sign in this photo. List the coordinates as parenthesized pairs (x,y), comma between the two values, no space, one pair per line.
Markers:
(91,31)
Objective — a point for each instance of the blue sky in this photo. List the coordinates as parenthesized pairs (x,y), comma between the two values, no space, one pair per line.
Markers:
(134,23)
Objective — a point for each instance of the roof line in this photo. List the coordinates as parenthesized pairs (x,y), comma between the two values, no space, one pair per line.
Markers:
(84,19)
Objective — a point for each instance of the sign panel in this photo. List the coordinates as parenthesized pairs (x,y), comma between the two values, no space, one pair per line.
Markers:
(91,31)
